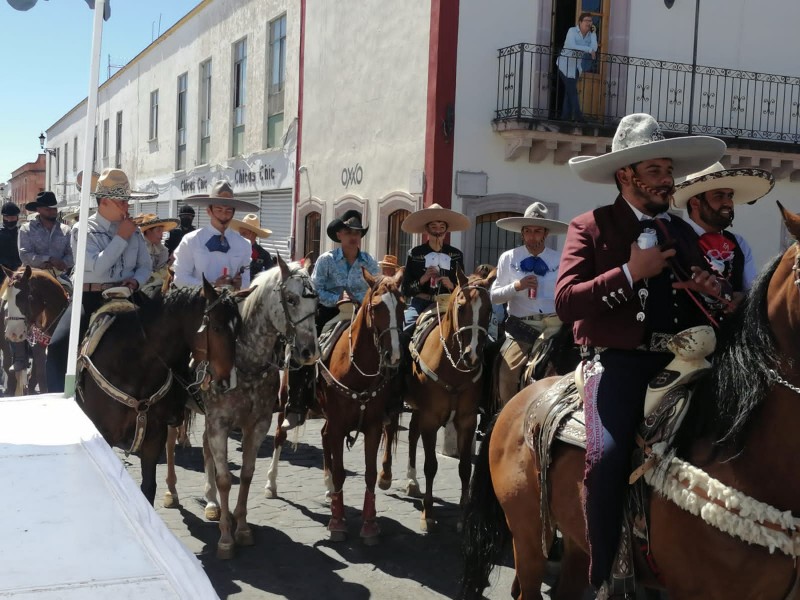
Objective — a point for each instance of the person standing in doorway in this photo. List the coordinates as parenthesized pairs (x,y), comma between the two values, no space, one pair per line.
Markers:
(580,40)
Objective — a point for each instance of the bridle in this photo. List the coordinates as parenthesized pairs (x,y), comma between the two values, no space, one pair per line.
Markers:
(290,335)
(42,334)
(200,353)
(376,338)
(475,329)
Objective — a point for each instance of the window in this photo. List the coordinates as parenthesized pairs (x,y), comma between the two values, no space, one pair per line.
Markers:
(312,229)
(239,96)
(66,162)
(276,80)
(180,141)
(398,242)
(94,149)
(153,115)
(205,111)
(118,155)
(58,163)
(106,128)
(75,153)
(490,240)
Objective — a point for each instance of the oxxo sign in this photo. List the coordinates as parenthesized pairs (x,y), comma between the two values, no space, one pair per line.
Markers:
(352,175)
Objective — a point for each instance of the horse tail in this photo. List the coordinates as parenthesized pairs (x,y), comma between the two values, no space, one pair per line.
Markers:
(486,532)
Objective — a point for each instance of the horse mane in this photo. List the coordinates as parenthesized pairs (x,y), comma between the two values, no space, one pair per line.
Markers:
(262,285)
(178,299)
(740,375)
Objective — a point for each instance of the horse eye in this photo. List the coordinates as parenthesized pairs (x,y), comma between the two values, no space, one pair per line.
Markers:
(292,300)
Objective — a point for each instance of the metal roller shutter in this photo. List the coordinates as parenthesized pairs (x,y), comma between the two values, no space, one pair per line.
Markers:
(276,215)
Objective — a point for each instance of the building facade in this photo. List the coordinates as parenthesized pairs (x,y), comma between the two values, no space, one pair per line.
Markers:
(26,182)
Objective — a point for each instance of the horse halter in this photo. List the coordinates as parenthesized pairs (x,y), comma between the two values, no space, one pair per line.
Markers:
(475,328)
(291,325)
(376,337)
(202,375)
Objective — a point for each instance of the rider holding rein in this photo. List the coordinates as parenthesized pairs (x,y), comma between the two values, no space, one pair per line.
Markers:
(431,267)
(215,251)
(116,255)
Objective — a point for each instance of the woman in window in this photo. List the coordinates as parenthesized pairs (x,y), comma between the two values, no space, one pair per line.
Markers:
(580,41)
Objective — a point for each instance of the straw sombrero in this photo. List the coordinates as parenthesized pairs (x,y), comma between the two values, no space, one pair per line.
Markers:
(114,184)
(535,216)
(250,223)
(416,222)
(748,185)
(389,260)
(222,195)
(639,138)
(79,180)
(147,221)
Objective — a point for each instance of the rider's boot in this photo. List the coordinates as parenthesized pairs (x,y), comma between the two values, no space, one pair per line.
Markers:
(301,391)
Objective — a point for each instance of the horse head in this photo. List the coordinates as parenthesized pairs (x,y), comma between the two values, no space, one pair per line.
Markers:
(298,306)
(215,340)
(468,315)
(31,297)
(383,309)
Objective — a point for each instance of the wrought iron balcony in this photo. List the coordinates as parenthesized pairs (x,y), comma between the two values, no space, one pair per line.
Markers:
(728,103)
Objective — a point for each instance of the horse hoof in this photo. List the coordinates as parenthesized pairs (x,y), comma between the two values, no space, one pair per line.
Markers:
(337,529)
(427,525)
(171,500)
(384,483)
(270,492)
(212,513)
(412,489)
(224,551)
(370,532)
(244,537)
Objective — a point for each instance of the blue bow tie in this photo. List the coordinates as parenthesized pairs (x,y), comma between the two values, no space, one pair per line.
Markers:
(218,243)
(534,264)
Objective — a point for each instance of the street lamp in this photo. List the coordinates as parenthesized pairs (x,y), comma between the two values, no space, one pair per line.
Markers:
(50,151)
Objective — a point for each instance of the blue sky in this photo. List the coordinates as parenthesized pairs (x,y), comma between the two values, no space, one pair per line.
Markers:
(45,57)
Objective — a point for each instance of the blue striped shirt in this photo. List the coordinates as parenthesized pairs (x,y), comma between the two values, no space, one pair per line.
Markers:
(332,275)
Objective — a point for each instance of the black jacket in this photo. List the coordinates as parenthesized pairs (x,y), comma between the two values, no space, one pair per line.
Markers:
(261,260)
(9,250)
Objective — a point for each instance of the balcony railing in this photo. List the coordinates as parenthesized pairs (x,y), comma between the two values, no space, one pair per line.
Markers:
(700,100)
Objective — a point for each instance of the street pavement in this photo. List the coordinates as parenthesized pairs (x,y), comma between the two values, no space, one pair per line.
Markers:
(293,557)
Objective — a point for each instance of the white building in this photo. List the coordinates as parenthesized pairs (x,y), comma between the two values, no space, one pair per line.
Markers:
(317,107)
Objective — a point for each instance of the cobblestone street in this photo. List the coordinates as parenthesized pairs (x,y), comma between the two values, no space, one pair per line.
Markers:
(293,557)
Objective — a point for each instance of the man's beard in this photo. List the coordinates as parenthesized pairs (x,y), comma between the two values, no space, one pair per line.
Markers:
(655,200)
(715,218)
(48,218)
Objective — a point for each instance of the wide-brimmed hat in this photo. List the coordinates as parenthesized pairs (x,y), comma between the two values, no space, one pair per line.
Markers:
(147,221)
(535,216)
(186,210)
(351,219)
(748,185)
(114,184)
(639,138)
(416,222)
(221,194)
(252,223)
(92,185)
(43,200)
(389,260)
(71,212)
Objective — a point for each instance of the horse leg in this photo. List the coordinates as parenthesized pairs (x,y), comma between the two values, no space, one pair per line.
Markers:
(148,458)
(171,495)
(252,438)
(183,433)
(212,506)
(465,432)
(427,520)
(412,486)
(327,463)
(337,525)
(369,528)
(389,440)
(572,578)
(218,445)
(271,488)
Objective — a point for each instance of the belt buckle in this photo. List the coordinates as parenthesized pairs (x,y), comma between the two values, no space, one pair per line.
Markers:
(659,342)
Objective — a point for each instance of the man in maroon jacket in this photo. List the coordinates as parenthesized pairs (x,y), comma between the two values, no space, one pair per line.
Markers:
(626,301)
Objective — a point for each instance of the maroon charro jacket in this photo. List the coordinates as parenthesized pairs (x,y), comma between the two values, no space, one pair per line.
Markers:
(597,245)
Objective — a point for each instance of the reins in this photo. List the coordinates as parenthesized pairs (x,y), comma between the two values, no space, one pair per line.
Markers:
(475,329)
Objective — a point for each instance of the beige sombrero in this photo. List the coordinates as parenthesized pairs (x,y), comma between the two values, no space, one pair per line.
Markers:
(114,184)
(535,216)
(639,137)
(748,185)
(250,223)
(415,222)
(389,260)
(147,221)
(222,195)
(79,180)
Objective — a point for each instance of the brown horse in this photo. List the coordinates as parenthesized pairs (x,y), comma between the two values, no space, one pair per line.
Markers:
(142,354)
(741,430)
(35,302)
(353,386)
(446,384)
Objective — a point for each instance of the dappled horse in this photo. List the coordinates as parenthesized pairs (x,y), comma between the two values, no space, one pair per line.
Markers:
(353,388)
(446,384)
(127,386)
(35,301)
(735,471)
(277,316)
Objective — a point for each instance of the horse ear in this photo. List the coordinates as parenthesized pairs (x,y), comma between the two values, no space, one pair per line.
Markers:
(9,273)
(27,274)
(368,277)
(791,220)
(242,294)
(283,266)
(209,293)
(308,260)
(461,277)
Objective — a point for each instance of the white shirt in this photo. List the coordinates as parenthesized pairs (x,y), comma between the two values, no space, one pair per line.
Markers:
(193,259)
(508,272)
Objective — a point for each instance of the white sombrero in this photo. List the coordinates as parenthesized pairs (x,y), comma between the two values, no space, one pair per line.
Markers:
(415,222)
(535,216)
(250,223)
(221,195)
(639,138)
(748,185)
